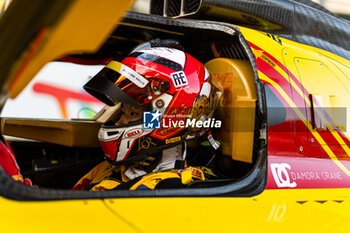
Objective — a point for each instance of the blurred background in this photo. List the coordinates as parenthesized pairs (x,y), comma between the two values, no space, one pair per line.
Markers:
(340,7)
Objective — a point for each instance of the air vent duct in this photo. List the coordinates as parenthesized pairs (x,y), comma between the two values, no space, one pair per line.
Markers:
(175,8)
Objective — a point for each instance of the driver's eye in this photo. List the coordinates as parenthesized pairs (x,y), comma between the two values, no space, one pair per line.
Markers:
(134,113)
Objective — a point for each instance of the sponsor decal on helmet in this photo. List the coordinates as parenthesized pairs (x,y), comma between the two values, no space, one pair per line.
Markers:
(145,143)
(172,140)
(179,79)
(129,73)
(133,133)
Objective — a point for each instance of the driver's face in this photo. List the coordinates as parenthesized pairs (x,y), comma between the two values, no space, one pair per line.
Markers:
(129,114)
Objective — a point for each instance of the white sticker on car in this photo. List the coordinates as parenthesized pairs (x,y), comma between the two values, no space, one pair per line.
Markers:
(281,175)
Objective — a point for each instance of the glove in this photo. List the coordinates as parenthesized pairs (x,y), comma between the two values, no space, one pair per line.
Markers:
(9,164)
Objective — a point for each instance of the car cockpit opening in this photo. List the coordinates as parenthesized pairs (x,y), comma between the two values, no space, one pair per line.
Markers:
(230,160)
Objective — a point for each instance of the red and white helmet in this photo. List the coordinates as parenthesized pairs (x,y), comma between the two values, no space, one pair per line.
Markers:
(174,87)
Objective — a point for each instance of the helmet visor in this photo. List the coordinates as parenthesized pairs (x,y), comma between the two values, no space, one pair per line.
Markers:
(117,82)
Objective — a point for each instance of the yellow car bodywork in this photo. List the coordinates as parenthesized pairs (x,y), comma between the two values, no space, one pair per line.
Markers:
(318,210)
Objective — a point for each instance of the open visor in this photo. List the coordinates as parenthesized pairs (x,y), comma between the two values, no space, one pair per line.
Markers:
(117,82)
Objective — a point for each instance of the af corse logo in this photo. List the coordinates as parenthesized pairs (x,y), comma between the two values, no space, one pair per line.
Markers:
(179,79)
(151,120)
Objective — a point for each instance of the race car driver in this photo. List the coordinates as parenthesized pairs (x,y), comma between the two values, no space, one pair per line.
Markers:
(164,92)
(165,97)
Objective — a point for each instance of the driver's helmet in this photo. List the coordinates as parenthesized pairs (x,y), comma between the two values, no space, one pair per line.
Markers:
(174,91)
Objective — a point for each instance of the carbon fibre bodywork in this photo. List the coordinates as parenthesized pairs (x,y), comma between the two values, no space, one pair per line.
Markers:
(302,21)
